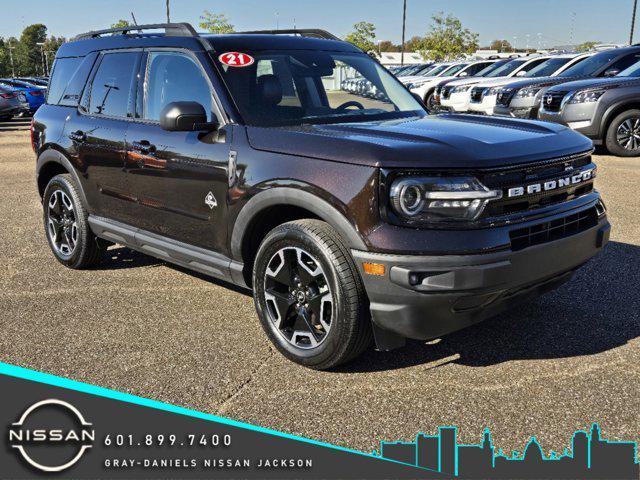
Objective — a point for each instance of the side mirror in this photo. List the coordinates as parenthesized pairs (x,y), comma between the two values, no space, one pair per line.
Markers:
(185,117)
(611,73)
(521,73)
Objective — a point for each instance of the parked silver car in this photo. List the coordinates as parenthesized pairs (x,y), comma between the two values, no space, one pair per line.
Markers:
(12,103)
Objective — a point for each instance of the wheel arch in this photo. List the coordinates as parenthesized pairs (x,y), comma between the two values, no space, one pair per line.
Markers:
(50,163)
(275,206)
(613,111)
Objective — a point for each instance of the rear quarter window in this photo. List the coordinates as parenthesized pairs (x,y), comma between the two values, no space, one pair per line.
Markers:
(68,79)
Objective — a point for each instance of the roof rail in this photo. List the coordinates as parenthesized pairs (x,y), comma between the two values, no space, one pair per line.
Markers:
(307,32)
(170,30)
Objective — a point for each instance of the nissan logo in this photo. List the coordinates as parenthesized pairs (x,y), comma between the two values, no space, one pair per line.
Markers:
(58,425)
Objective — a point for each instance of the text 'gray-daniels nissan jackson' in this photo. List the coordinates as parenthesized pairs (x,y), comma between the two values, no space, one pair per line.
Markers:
(350,218)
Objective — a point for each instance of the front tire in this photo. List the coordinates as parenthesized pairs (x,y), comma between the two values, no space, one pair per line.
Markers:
(66,224)
(309,295)
(430,103)
(623,135)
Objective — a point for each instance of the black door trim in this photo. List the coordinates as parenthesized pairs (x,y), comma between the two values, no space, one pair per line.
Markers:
(194,258)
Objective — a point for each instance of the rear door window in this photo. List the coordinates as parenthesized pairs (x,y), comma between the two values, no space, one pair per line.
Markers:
(112,85)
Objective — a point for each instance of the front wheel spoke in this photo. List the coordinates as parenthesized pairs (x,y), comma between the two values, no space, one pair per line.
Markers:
(282,303)
(312,331)
(54,204)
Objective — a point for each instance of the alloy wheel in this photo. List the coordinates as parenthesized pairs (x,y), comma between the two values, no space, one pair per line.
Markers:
(628,134)
(62,226)
(298,297)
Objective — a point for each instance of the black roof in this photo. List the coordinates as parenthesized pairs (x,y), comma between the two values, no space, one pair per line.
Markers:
(183,35)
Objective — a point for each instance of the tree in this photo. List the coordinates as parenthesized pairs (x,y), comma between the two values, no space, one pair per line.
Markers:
(387,46)
(501,46)
(120,23)
(363,36)
(215,23)
(28,54)
(586,46)
(413,44)
(447,39)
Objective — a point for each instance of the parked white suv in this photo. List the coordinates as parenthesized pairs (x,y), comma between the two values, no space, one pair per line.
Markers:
(426,88)
(457,98)
(432,71)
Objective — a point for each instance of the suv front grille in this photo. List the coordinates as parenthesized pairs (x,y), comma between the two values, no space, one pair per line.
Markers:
(476,94)
(505,96)
(552,101)
(553,230)
(534,174)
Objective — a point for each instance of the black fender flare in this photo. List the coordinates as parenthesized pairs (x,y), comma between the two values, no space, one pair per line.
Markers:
(613,110)
(54,156)
(295,197)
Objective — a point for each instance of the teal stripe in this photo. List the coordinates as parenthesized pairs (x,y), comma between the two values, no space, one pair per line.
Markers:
(46,378)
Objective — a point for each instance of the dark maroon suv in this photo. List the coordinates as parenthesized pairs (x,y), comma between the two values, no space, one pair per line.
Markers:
(351,217)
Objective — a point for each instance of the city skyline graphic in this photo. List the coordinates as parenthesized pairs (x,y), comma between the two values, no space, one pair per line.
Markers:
(589,456)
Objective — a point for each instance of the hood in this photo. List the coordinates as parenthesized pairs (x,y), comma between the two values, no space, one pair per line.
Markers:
(497,82)
(530,82)
(444,142)
(610,82)
(470,80)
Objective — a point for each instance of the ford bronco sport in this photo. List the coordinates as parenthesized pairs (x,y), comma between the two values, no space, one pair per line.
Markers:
(350,218)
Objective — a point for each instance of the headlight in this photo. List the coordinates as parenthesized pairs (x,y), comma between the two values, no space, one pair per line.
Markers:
(409,86)
(491,91)
(440,199)
(586,96)
(527,92)
(461,88)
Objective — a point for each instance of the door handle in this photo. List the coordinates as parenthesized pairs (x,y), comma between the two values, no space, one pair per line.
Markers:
(143,146)
(78,136)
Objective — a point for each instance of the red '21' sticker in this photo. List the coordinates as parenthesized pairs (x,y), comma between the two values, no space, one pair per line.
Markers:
(236,59)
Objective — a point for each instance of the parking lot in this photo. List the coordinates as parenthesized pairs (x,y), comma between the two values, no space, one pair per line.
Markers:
(140,326)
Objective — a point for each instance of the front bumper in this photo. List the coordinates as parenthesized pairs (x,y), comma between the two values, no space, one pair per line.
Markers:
(425,297)
(485,106)
(457,102)
(581,117)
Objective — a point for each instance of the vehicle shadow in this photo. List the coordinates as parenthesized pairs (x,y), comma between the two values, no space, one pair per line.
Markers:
(596,311)
(119,258)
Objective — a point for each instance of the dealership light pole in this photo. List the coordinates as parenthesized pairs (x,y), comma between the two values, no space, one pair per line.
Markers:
(168,15)
(13,67)
(44,68)
(633,21)
(404,24)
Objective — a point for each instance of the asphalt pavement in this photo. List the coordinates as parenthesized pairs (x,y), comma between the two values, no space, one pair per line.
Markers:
(140,326)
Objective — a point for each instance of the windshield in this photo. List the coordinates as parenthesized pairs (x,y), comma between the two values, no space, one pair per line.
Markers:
(506,69)
(436,70)
(425,71)
(453,69)
(547,68)
(412,70)
(633,71)
(297,87)
(487,70)
(590,66)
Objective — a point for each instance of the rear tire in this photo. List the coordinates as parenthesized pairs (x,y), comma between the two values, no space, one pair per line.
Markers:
(623,135)
(66,224)
(309,295)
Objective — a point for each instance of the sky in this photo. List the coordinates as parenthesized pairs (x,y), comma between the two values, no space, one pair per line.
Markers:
(536,23)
